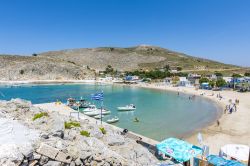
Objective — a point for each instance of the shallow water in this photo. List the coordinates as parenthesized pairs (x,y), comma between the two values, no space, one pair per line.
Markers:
(162,114)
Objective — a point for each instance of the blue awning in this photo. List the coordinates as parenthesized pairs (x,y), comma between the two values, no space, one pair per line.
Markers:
(180,150)
(219,161)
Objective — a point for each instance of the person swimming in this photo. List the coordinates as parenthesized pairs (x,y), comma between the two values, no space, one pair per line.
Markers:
(136,119)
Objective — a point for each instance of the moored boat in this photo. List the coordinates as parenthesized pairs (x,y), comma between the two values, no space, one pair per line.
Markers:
(113,120)
(130,107)
(90,108)
(99,116)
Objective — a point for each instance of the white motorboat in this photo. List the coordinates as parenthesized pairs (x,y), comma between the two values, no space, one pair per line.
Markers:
(130,107)
(99,116)
(97,112)
(90,108)
(113,120)
(92,113)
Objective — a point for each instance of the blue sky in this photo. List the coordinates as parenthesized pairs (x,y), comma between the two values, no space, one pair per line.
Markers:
(214,29)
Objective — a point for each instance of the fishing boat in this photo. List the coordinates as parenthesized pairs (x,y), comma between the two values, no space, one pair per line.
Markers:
(83,103)
(113,120)
(130,107)
(99,116)
(71,102)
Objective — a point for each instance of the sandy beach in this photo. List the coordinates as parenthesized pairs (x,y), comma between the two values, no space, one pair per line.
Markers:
(233,128)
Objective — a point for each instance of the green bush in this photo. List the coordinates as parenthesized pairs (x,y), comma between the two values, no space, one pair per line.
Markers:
(204,80)
(220,83)
(236,75)
(85,133)
(247,74)
(21,71)
(71,124)
(39,115)
(103,130)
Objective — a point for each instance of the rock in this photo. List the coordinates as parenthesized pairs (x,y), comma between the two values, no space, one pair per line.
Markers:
(96,133)
(7,162)
(115,140)
(72,163)
(36,156)
(40,121)
(59,134)
(47,150)
(45,136)
(78,162)
(33,163)
(97,158)
(25,163)
(11,152)
(63,157)
(93,163)
(85,155)
(57,125)
(71,134)
(53,163)
(43,160)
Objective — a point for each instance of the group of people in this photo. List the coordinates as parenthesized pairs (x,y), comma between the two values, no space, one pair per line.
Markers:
(232,107)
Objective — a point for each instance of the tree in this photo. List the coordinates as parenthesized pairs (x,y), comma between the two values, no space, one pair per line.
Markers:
(236,75)
(218,74)
(212,83)
(109,69)
(247,74)
(34,54)
(166,67)
(179,68)
(220,83)
(203,80)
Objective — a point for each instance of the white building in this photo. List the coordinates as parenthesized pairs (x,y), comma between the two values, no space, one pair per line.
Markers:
(184,82)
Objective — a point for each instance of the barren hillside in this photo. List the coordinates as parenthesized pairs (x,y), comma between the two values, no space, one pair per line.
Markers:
(140,57)
(40,68)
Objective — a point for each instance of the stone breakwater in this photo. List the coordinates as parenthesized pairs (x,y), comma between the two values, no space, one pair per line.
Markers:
(44,140)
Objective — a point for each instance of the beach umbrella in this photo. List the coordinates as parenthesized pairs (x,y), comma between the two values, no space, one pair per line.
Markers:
(200,139)
(236,151)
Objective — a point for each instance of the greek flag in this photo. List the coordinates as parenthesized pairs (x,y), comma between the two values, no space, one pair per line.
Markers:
(97,96)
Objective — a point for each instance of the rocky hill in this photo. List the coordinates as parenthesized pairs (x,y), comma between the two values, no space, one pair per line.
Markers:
(40,68)
(77,64)
(140,57)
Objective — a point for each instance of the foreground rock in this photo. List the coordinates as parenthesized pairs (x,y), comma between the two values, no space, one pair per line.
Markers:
(53,145)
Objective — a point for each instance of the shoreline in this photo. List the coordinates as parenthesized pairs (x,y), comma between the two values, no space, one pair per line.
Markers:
(232,129)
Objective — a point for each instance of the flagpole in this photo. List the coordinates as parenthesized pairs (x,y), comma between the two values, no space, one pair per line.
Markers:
(101,111)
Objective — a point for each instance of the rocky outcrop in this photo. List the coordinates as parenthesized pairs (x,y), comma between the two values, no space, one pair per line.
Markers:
(17,68)
(55,146)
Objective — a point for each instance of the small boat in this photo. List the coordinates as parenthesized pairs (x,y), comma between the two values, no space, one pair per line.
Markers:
(83,103)
(97,112)
(71,102)
(90,108)
(113,120)
(99,116)
(130,107)
(92,113)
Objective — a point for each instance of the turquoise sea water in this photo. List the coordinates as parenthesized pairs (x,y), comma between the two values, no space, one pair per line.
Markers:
(162,114)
